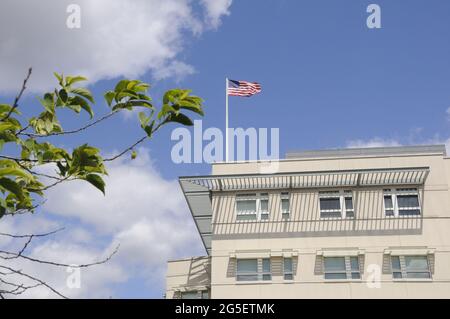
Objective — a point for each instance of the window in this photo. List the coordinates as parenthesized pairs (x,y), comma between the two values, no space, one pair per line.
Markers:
(337,204)
(248,269)
(189,295)
(266,273)
(264,206)
(202,294)
(205,294)
(288,269)
(341,268)
(246,206)
(411,267)
(285,206)
(252,206)
(401,202)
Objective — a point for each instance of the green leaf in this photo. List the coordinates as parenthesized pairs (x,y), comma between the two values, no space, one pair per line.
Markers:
(121,85)
(76,100)
(149,129)
(5,171)
(59,77)
(5,108)
(63,95)
(84,93)
(143,119)
(12,187)
(180,118)
(48,103)
(7,126)
(109,96)
(96,181)
(73,79)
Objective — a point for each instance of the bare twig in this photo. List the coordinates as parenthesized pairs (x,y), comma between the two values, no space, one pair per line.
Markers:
(126,150)
(139,141)
(72,131)
(19,255)
(18,96)
(33,235)
(21,273)
(31,160)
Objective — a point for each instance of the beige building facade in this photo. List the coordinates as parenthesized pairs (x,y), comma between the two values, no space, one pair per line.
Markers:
(351,223)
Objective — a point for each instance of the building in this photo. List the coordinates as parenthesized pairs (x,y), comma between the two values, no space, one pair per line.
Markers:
(350,223)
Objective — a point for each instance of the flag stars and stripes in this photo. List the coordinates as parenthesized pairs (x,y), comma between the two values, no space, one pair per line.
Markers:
(243,88)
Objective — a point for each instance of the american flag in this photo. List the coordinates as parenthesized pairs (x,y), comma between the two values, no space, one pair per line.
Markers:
(243,88)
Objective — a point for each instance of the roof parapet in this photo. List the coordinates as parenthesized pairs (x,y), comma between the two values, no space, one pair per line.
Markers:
(370,151)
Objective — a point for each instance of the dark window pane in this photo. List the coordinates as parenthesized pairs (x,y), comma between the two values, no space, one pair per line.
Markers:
(247,277)
(189,295)
(348,203)
(407,201)
(266,265)
(354,262)
(330,203)
(389,213)
(388,201)
(246,205)
(335,276)
(330,214)
(397,275)
(285,205)
(288,277)
(246,217)
(395,261)
(403,212)
(356,275)
(334,264)
(421,275)
(419,263)
(264,205)
(247,265)
(267,277)
(287,264)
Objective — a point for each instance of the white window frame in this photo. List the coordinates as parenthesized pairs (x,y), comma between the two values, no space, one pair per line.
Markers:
(289,273)
(266,273)
(259,274)
(258,197)
(341,194)
(348,269)
(394,192)
(403,271)
(238,273)
(285,214)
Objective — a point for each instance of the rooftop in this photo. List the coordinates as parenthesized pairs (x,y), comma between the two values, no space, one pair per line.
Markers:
(371,151)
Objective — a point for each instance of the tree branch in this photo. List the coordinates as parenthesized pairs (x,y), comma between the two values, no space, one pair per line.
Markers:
(19,272)
(18,96)
(104,117)
(139,141)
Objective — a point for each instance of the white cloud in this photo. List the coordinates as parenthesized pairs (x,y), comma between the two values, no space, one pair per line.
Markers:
(373,142)
(143,212)
(215,9)
(116,38)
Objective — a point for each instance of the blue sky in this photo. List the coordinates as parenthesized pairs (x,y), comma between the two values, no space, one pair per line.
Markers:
(328,81)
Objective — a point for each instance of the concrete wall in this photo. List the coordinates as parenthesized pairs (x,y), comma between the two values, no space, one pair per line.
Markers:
(192,274)
(306,234)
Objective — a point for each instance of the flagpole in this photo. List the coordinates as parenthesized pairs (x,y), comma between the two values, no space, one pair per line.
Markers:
(226,119)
